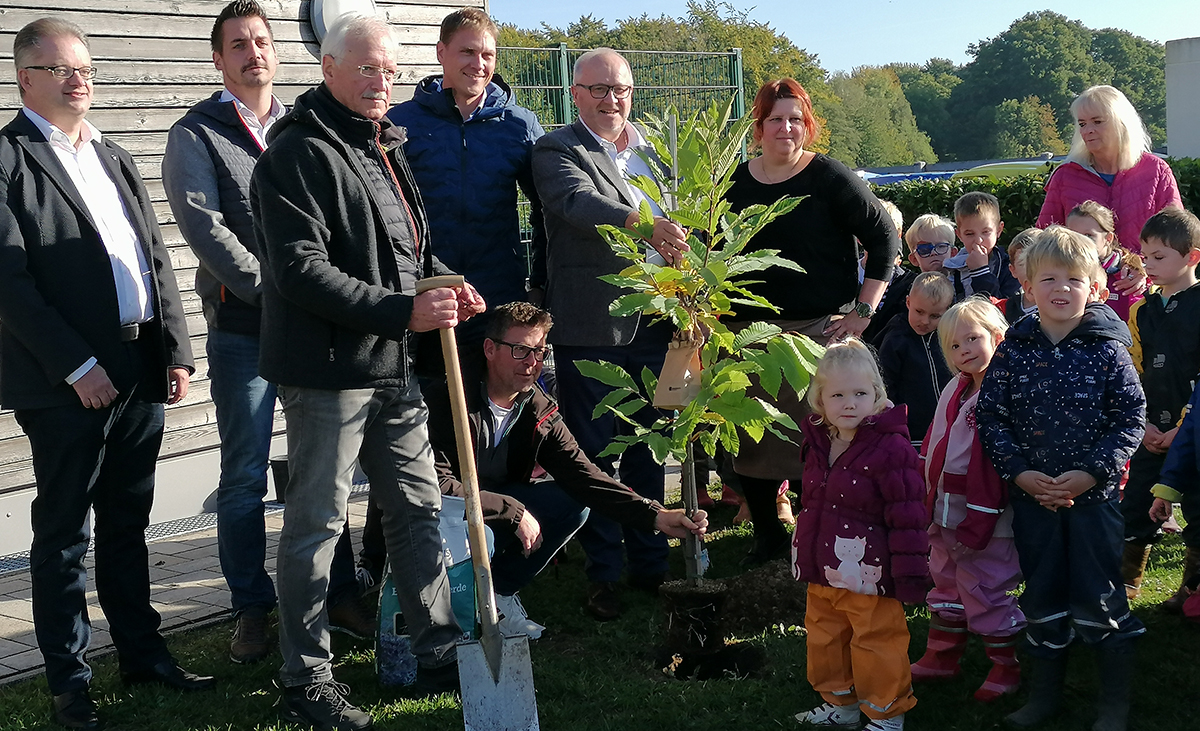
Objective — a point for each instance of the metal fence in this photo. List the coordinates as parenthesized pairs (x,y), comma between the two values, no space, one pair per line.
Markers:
(541,80)
(689,80)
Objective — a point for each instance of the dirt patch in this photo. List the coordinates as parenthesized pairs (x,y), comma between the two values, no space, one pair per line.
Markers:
(763,597)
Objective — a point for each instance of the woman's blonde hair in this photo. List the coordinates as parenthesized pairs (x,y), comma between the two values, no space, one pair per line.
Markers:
(1114,106)
(977,309)
(850,353)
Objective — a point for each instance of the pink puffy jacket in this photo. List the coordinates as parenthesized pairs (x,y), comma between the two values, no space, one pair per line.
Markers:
(1135,195)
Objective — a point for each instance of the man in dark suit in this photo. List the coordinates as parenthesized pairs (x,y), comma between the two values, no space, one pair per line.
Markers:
(92,342)
(581,172)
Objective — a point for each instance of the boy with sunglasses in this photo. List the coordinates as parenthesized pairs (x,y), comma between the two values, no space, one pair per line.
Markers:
(930,241)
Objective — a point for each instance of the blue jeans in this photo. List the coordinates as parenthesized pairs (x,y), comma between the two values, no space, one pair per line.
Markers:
(103,460)
(1071,559)
(578,396)
(560,517)
(385,430)
(245,406)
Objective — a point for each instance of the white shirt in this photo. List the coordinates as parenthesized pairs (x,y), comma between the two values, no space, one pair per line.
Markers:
(631,165)
(500,418)
(256,128)
(131,273)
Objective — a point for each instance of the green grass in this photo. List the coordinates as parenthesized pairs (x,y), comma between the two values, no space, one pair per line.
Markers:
(594,676)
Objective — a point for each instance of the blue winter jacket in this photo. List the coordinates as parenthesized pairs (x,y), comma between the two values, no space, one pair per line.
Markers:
(1077,405)
(468,172)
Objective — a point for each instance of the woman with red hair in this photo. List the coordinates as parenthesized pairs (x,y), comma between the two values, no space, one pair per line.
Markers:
(826,301)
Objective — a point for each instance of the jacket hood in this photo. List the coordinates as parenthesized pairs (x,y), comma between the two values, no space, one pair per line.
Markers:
(892,420)
(441,101)
(1099,322)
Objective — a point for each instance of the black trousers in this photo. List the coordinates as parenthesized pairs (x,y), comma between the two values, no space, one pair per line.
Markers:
(101,460)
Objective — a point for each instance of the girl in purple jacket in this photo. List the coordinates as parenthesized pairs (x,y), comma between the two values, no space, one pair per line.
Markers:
(860,543)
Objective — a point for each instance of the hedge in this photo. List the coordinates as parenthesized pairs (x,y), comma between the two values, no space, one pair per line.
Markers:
(1020,197)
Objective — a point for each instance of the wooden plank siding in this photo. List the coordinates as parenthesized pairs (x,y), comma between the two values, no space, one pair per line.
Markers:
(154,62)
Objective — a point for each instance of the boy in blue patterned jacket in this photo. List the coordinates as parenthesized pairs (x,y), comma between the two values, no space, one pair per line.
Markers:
(1060,412)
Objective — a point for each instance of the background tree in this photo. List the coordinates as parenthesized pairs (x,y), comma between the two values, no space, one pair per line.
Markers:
(882,130)
(1025,128)
(928,88)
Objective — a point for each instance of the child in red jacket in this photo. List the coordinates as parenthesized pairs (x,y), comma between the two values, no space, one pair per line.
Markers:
(971,552)
(860,542)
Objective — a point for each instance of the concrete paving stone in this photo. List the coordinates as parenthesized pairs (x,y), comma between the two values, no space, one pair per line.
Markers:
(21,608)
(198,563)
(25,660)
(15,645)
(6,670)
(14,583)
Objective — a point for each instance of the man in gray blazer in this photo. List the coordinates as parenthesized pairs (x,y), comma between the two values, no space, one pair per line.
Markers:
(581,172)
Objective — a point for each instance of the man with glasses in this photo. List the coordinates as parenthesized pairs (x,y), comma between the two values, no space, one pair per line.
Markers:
(344,239)
(582,174)
(210,154)
(514,424)
(93,341)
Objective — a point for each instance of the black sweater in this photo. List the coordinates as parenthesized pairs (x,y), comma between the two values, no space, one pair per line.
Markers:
(818,235)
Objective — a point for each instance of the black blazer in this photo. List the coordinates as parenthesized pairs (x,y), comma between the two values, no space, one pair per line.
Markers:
(58,300)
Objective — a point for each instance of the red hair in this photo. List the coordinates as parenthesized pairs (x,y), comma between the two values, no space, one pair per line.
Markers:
(773,91)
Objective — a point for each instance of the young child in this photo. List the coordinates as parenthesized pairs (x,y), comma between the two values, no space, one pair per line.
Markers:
(1059,413)
(1166,351)
(860,542)
(1180,483)
(971,552)
(1097,223)
(980,268)
(914,369)
(930,241)
(1016,307)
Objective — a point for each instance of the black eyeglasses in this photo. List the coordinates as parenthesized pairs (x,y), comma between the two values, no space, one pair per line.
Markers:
(925,250)
(66,72)
(521,352)
(599,91)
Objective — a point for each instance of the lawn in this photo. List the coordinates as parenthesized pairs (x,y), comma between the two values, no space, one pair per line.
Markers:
(601,676)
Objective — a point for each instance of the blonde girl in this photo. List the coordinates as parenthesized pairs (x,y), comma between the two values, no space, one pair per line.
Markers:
(860,543)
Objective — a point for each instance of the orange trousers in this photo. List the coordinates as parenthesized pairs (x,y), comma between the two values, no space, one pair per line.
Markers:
(858,651)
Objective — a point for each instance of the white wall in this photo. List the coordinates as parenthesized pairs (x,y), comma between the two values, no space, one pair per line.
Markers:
(1183,97)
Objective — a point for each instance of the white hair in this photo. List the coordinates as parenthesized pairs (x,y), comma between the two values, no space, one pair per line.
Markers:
(1115,107)
(597,53)
(358,25)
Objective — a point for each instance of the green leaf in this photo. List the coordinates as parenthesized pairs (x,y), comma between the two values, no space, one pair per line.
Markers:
(631,304)
(755,332)
(649,380)
(607,373)
(727,433)
(618,280)
(612,398)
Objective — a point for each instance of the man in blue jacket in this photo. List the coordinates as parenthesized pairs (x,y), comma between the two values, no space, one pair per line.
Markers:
(470,146)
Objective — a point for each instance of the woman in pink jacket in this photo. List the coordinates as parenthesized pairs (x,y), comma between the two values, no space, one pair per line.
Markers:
(1110,162)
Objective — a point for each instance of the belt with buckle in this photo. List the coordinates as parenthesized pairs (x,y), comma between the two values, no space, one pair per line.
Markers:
(130,332)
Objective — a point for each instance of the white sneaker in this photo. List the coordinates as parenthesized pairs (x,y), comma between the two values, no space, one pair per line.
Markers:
(895,723)
(514,620)
(828,715)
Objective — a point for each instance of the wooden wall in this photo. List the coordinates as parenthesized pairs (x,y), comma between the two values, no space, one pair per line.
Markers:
(154,62)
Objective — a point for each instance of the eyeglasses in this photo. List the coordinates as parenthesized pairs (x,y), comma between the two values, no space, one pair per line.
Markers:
(599,91)
(926,250)
(372,71)
(521,352)
(66,72)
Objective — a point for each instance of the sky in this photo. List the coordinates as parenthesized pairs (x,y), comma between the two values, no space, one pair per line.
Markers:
(849,33)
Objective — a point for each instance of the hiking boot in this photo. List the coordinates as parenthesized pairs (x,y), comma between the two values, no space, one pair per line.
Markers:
(1045,692)
(323,706)
(351,617)
(602,600)
(828,715)
(513,618)
(945,647)
(1005,676)
(76,709)
(1191,564)
(436,681)
(249,642)
(1133,567)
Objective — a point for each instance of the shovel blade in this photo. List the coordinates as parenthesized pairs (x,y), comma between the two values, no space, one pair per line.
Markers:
(504,704)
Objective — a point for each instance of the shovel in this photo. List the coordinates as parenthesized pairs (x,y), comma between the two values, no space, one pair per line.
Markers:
(495,672)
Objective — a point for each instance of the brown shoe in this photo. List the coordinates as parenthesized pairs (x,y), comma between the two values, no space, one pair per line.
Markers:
(602,600)
(1133,567)
(249,642)
(352,617)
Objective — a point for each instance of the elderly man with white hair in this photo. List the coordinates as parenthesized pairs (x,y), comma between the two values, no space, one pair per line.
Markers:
(344,239)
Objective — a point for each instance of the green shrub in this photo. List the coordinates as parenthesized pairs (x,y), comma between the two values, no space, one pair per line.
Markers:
(1020,197)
